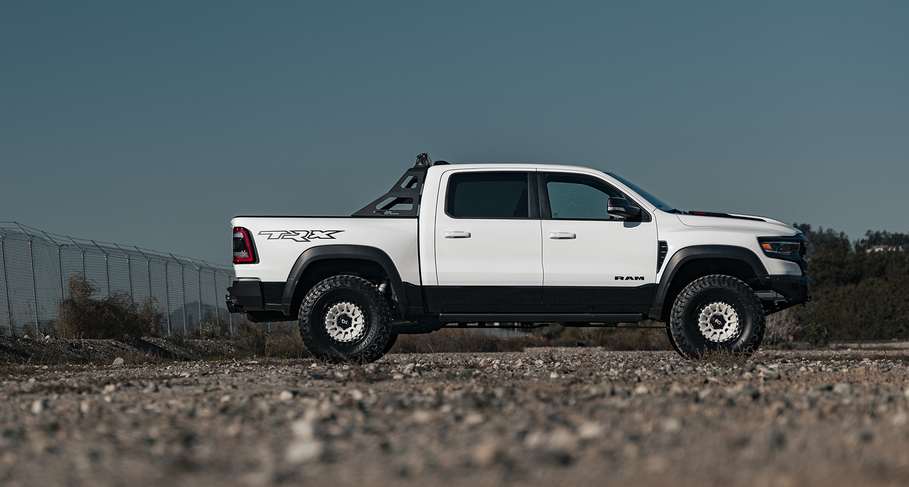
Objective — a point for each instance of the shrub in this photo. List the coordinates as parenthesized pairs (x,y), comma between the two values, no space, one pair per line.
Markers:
(460,340)
(116,316)
(281,341)
(451,340)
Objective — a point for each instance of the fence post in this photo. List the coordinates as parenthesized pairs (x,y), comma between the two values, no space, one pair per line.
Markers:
(31,260)
(59,264)
(9,309)
(230,316)
(106,267)
(147,270)
(214,283)
(182,288)
(199,272)
(82,251)
(166,292)
(129,273)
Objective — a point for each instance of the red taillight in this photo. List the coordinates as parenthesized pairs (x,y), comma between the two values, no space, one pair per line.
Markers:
(243,249)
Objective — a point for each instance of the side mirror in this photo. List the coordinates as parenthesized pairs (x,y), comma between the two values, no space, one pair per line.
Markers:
(621,208)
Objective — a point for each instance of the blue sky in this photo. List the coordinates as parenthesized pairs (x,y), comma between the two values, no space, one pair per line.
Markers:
(154,123)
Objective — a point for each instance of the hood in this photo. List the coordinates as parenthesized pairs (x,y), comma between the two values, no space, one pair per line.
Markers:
(757,224)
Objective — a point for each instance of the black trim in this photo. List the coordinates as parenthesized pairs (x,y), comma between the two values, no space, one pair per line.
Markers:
(598,299)
(356,252)
(722,215)
(539,299)
(541,317)
(697,252)
(662,250)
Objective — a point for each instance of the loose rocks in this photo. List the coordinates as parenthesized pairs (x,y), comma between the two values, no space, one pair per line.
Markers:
(542,417)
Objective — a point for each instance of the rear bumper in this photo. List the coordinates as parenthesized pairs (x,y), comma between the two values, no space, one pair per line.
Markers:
(243,296)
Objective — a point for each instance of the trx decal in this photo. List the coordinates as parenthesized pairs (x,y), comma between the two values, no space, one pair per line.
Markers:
(300,235)
(629,278)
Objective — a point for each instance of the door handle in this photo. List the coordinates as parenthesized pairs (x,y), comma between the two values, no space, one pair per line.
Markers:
(562,235)
(457,234)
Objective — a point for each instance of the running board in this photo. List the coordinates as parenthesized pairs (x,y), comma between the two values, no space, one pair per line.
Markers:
(541,318)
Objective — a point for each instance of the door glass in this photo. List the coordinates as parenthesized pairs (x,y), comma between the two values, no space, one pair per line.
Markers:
(574,197)
(488,195)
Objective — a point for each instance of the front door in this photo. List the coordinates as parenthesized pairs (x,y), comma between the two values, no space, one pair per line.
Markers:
(592,261)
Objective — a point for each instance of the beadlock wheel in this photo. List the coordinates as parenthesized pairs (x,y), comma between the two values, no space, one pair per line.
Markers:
(344,322)
(719,322)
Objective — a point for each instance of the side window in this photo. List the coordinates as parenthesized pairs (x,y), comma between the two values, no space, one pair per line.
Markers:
(573,197)
(488,195)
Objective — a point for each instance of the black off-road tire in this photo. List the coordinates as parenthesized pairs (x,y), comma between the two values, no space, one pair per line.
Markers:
(391,343)
(350,300)
(713,303)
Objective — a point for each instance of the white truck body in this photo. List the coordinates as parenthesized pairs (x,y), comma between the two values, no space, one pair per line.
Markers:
(448,255)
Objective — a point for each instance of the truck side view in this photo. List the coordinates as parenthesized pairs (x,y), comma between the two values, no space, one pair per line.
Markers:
(453,245)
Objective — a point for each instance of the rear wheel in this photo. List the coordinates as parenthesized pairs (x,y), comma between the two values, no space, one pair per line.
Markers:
(345,318)
(716,313)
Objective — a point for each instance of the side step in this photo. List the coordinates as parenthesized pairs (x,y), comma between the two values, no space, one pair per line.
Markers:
(541,318)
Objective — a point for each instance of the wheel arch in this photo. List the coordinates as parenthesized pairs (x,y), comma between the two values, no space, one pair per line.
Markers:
(692,263)
(318,263)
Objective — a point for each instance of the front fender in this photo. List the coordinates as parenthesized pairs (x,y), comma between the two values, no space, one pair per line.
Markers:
(698,252)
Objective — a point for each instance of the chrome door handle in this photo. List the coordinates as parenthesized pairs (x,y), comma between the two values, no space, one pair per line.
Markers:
(562,235)
(457,234)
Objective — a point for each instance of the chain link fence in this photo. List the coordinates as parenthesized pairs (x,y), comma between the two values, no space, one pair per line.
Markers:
(37,266)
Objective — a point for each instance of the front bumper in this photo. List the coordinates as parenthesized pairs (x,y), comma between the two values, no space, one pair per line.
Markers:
(779,292)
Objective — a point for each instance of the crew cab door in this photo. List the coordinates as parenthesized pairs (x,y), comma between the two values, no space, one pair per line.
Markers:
(593,261)
(487,241)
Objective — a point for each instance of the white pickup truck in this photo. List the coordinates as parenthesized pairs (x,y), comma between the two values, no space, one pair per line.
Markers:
(524,244)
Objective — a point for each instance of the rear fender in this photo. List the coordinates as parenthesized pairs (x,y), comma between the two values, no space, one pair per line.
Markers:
(343,252)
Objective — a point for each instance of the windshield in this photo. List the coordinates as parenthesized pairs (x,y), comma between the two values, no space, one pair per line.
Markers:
(644,194)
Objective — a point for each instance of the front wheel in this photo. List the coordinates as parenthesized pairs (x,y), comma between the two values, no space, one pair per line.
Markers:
(717,313)
(345,318)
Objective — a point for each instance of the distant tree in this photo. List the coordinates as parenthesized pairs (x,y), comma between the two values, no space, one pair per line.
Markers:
(856,294)
(821,237)
(884,238)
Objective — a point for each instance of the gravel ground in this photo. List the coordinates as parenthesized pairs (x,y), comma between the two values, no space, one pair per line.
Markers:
(544,417)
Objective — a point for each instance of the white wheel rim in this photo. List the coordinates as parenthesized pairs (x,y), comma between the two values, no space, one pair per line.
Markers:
(345,322)
(719,322)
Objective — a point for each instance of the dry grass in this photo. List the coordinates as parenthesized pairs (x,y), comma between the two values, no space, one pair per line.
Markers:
(451,340)
(116,316)
(460,340)
(282,340)
(781,327)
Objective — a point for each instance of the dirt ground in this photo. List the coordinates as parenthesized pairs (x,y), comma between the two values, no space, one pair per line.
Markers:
(546,417)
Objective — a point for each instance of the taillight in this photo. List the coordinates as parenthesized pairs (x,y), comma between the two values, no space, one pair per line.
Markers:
(243,249)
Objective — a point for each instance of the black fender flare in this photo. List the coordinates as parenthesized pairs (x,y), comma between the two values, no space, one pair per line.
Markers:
(354,252)
(700,252)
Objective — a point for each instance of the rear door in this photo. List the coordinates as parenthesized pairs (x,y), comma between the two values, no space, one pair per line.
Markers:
(593,261)
(487,242)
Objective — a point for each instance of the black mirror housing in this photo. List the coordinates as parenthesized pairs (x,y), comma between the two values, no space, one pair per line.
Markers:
(621,208)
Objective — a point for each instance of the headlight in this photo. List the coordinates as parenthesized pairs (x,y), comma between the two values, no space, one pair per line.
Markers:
(789,248)
(781,247)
